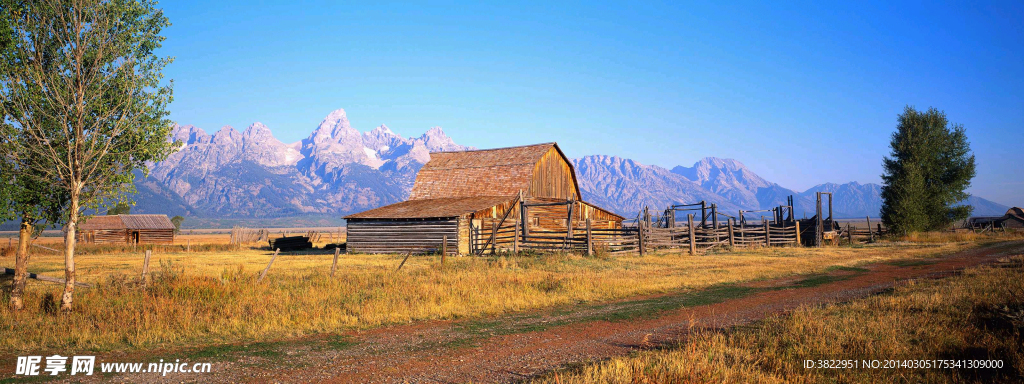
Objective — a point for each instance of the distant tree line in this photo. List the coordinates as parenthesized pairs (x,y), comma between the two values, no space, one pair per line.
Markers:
(83,105)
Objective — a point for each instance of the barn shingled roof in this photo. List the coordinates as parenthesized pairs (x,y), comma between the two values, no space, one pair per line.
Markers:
(455,183)
(127,222)
(102,223)
(484,172)
(147,222)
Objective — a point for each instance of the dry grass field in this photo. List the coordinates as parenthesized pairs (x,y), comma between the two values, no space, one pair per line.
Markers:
(977,315)
(211,295)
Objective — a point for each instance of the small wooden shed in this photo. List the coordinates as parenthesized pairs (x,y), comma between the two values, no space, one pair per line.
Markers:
(127,229)
(460,195)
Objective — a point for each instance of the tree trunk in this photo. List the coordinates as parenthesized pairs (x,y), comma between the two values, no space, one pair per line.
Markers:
(21,265)
(69,255)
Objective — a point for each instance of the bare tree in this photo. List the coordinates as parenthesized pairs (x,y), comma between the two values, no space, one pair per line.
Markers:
(84,101)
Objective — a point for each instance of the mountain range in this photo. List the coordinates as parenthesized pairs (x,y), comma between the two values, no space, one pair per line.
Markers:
(338,170)
(252,174)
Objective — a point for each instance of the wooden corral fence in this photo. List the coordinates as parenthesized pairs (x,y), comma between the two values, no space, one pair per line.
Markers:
(580,239)
(314,236)
(864,235)
(241,235)
(704,231)
(697,233)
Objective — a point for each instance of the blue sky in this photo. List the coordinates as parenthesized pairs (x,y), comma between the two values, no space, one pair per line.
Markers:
(802,93)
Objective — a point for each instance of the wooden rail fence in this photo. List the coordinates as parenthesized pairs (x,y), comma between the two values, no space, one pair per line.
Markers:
(641,238)
(242,235)
(704,229)
(697,239)
(865,235)
(586,239)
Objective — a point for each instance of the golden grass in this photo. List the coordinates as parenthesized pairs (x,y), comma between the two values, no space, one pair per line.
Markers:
(978,315)
(212,297)
(960,236)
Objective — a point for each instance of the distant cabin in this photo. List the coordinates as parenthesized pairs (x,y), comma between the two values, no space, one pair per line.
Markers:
(463,194)
(127,229)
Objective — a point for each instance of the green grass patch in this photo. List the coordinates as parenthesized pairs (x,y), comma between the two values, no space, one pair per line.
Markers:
(43,377)
(837,268)
(468,333)
(650,307)
(336,343)
(911,263)
(268,349)
(816,280)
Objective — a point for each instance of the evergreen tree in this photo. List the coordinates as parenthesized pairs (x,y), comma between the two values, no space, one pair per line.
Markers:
(927,173)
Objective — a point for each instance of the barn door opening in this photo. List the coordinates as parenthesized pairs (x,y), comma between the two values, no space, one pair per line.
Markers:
(135,237)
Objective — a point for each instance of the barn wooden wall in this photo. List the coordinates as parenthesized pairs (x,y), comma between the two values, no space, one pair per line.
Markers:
(393,236)
(554,217)
(156,236)
(122,236)
(553,178)
(102,236)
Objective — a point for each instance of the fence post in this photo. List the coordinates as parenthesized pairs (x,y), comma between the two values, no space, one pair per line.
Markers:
(494,235)
(515,240)
(797,223)
(472,238)
(693,246)
(145,267)
(444,248)
(819,224)
(714,220)
(188,248)
(407,254)
(767,235)
(334,265)
(524,216)
(732,236)
(590,244)
(264,274)
(740,221)
(879,229)
(640,236)
(703,213)
(871,235)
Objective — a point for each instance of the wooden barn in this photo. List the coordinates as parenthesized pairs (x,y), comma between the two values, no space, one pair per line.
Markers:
(1013,219)
(127,229)
(471,196)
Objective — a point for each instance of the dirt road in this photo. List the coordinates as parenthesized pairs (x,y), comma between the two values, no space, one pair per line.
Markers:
(519,346)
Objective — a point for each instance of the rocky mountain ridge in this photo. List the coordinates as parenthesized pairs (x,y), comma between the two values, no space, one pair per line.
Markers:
(337,170)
